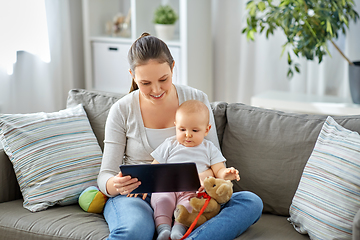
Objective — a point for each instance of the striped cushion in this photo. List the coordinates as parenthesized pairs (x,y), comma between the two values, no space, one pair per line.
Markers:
(55,155)
(328,195)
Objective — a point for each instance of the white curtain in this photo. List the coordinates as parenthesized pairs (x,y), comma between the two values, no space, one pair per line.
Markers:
(243,69)
(38,85)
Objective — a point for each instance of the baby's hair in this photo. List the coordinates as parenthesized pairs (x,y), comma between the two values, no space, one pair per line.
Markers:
(145,48)
(194,106)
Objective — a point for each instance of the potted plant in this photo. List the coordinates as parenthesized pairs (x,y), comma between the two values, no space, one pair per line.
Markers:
(164,19)
(308,25)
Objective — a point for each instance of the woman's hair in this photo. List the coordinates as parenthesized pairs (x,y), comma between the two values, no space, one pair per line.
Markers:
(147,47)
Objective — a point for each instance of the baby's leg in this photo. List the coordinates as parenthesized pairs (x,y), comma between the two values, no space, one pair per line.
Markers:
(183,198)
(164,206)
(179,229)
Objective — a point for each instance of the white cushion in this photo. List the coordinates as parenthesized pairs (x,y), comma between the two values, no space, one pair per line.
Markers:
(55,155)
(328,195)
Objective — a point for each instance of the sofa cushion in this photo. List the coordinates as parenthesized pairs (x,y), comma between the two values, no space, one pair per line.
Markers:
(55,155)
(270,149)
(328,196)
(97,105)
(56,223)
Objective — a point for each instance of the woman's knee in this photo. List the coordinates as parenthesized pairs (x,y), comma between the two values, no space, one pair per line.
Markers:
(251,200)
(135,232)
(129,218)
(135,228)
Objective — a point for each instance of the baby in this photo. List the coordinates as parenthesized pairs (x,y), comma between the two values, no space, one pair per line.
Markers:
(189,145)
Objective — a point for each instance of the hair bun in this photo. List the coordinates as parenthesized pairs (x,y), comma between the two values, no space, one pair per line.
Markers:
(144,34)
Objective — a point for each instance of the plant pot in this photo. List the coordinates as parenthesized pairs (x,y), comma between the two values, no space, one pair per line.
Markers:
(165,31)
(354,82)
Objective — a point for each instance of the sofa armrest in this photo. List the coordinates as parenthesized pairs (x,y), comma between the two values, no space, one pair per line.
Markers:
(9,188)
(356,226)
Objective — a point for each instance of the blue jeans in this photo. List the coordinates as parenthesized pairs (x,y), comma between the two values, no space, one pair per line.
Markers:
(237,215)
(129,218)
(132,218)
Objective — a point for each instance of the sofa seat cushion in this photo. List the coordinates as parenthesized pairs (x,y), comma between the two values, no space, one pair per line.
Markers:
(59,222)
(272,227)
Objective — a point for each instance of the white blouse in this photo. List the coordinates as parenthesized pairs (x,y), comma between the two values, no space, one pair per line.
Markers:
(156,136)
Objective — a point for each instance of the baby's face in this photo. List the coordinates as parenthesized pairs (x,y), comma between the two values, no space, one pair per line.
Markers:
(191,128)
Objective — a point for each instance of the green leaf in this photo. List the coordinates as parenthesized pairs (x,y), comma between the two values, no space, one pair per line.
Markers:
(290,73)
(250,4)
(250,35)
(320,57)
(329,28)
(297,69)
(267,32)
(289,59)
(327,50)
(296,51)
(261,6)
(252,11)
(283,50)
(284,3)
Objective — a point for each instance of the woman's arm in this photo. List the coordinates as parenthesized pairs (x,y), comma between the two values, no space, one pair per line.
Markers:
(114,147)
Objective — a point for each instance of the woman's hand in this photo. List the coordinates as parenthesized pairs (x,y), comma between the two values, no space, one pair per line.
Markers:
(122,185)
(144,195)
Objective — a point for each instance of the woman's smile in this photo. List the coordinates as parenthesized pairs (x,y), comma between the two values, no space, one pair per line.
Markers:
(157,96)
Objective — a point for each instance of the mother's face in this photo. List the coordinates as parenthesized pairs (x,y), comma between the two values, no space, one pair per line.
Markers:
(154,80)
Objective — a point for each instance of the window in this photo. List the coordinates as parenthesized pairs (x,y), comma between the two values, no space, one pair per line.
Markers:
(23,27)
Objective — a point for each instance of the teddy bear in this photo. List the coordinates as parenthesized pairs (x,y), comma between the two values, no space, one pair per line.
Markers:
(219,190)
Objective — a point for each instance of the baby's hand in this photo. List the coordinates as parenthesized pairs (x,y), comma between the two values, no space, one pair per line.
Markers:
(201,188)
(232,174)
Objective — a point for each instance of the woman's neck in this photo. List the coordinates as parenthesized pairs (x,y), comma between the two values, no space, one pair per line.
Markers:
(160,115)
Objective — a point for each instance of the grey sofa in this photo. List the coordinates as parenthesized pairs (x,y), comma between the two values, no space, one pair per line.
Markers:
(270,148)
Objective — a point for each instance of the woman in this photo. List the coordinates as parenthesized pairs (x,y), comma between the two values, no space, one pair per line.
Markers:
(135,126)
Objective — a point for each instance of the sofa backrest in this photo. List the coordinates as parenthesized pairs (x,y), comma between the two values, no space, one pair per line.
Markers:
(97,105)
(270,149)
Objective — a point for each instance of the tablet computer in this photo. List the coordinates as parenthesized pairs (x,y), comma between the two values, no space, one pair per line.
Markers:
(168,177)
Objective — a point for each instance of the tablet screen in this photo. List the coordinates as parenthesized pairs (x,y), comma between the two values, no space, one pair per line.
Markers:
(168,177)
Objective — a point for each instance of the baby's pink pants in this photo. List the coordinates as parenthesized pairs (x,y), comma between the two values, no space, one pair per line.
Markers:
(164,205)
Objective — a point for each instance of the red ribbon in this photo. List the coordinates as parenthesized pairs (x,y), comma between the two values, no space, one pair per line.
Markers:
(199,195)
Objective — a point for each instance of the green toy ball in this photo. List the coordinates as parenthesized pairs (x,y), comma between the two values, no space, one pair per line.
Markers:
(92,200)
